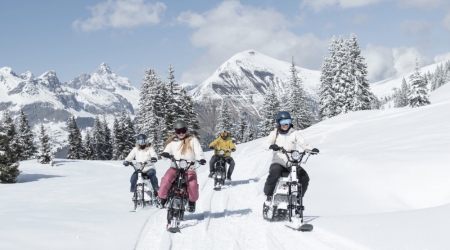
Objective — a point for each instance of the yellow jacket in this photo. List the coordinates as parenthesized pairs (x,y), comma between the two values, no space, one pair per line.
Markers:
(220,144)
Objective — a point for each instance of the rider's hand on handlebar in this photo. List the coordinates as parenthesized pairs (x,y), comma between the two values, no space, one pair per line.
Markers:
(314,151)
(202,162)
(165,155)
(153,159)
(232,150)
(211,147)
(126,163)
(274,147)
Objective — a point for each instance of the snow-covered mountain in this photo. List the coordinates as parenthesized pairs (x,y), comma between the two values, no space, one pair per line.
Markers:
(379,182)
(243,80)
(45,99)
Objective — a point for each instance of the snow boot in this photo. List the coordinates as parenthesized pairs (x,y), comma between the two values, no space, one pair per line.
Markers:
(211,175)
(191,207)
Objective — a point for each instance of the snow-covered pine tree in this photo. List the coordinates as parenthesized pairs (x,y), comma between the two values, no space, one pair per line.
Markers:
(98,140)
(128,133)
(297,105)
(418,93)
(9,167)
(268,113)
(359,88)
(75,141)
(327,91)
(174,106)
(11,134)
(45,154)
(108,140)
(25,138)
(224,119)
(249,134)
(88,146)
(145,100)
(188,113)
(401,95)
(118,143)
(241,126)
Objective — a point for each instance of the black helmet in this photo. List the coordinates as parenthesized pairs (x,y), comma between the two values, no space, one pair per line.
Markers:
(283,115)
(141,139)
(179,124)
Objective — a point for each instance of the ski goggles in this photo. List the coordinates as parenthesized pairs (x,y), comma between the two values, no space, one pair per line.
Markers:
(285,122)
(224,134)
(140,142)
(180,131)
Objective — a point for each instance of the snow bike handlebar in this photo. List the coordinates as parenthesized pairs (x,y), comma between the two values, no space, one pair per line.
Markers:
(224,151)
(141,164)
(295,155)
(180,161)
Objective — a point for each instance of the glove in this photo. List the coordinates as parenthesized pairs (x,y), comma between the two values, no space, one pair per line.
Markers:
(274,147)
(202,162)
(126,163)
(165,155)
(314,151)
(211,147)
(153,160)
(232,150)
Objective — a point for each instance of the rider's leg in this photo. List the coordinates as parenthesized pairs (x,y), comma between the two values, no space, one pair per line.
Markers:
(304,178)
(166,183)
(213,161)
(192,185)
(133,181)
(151,173)
(230,161)
(275,171)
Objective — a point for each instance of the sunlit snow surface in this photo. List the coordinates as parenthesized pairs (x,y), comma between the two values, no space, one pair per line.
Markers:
(381,181)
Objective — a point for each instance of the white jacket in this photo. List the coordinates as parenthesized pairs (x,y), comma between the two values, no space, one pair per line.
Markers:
(174,148)
(143,155)
(288,141)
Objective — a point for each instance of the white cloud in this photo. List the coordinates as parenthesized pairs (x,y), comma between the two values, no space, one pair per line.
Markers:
(416,27)
(319,5)
(121,14)
(442,58)
(428,4)
(232,27)
(446,21)
(385,62)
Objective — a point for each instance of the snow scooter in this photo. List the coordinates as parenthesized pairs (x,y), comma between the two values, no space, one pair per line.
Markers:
(143,193)
(220,170)
(177,200)
(287,201)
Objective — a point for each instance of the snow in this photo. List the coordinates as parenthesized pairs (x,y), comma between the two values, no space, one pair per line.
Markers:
(380,182)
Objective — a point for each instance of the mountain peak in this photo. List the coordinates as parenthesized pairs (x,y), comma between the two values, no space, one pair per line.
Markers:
(103,69)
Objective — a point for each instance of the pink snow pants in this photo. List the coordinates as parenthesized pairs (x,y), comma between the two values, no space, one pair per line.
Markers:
(169,177)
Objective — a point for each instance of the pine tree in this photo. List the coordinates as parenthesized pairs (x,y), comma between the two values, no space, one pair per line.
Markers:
(45,155)
(75,142)
(89,147)
(418,93)
(107,140)
(359,91)
(224,119)
(98,139)
(9,167)
(25,138)
(128,134)
(296,104)
(188,113)
(249,134)
(118,144)
(242,126)
(268,113)
(327,93)
(11,135)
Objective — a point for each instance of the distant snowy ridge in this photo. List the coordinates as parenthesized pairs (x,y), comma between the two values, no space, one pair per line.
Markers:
(45,99)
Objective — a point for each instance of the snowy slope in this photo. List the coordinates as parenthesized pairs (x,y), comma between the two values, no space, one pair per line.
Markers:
(384,87)
(380,182)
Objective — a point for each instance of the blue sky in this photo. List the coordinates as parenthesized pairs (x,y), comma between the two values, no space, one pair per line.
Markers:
(196,37)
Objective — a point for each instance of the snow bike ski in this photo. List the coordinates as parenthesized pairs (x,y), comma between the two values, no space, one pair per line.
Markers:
(177,200)
(287,201)
(143,193)
(220,170)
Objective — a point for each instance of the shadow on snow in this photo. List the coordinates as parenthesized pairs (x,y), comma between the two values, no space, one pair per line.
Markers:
(242,182)
(225,213)
(34,177)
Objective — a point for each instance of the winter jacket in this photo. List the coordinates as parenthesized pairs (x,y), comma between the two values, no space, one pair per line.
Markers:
(174,148)
(220,144)
(143,155)
(288,141)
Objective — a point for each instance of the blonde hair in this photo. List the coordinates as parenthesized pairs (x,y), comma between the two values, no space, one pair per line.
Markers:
(185,146)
